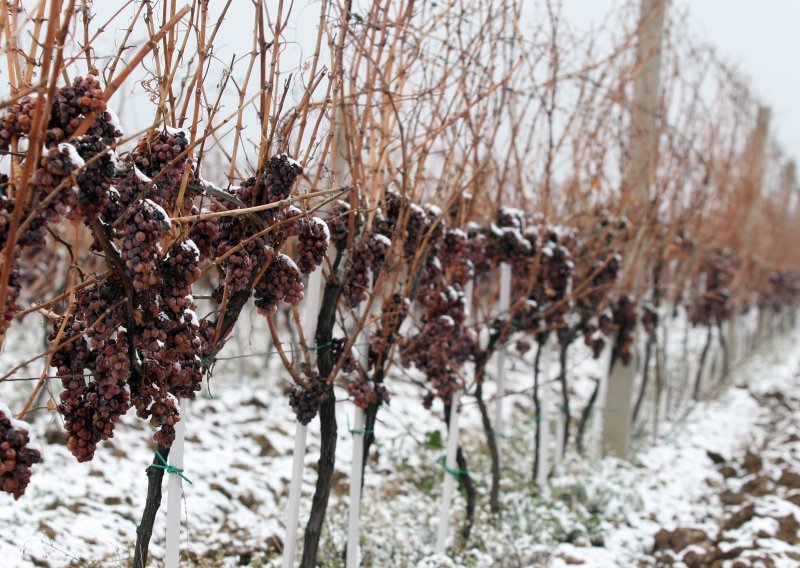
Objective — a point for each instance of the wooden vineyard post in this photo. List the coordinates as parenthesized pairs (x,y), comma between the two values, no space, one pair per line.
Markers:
(174,494)
(504,304)
(750,193)
(732,338)
(617,409)
(354,513)
(310,312)
(638,177)
(450,462)
(450,473)
(293,512)
(600,410)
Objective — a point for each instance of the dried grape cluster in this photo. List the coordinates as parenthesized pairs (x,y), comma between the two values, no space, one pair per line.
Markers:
(100,308)
(443,344)
(454,246)
(312,244)
(279,176)
(286,222)
(476,251)
(274,182)
(415,230)
(386,333)
(784,289)
(506,244)
(281,282)
(713,306)
(172,349)
(17,120)
(338,219)
(305,401)
(556,282)
(242,257)
(91,409)
(73,104)
(350,363)
(597,331)
(367,393)
(368,257)
(510,218)
(94,181)
(12,295)
(240,262)
(178,270)
(146,226)
(205,234)
(56,164)
(505,240)
(163,159)
(17,455)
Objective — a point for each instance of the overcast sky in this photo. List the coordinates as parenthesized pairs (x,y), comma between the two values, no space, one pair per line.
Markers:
(759,37)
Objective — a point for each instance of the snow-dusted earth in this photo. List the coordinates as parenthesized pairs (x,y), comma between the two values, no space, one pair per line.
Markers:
(595,512)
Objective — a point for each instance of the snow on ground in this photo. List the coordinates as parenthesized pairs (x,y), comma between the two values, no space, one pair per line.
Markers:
(595,512)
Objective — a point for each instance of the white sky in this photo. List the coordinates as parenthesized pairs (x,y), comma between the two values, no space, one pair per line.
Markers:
(760,38)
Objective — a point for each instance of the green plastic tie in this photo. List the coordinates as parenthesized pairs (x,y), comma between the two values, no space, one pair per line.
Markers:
(358,432)
(318,347)
(170,468)
(362,432)
(451,471)
(499,435)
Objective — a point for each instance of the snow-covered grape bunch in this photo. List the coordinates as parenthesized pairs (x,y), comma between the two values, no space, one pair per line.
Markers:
(56,163)
(280,282)
(178,270)
(312,244)
(17,455)
(369,256)
(94,180)
(713,306)
(442,344)
(338,221)
(279,177)
(100,308)
(240,260)
(144,229)
(163,159)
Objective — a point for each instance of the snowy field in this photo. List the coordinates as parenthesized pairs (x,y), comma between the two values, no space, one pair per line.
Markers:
(672,504)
